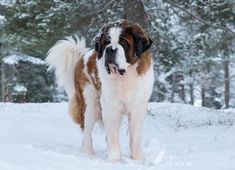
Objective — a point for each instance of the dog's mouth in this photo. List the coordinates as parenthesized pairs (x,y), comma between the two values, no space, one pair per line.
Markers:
(113,68)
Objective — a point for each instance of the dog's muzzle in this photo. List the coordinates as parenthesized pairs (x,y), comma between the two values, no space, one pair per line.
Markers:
(110,63)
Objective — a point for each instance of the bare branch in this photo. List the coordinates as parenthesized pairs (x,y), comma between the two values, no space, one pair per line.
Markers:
(100,10)
(200,19)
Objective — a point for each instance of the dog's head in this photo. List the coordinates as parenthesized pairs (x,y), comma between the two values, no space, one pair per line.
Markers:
(121,44)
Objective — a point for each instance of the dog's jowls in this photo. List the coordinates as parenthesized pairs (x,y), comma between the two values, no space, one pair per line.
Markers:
(114,78)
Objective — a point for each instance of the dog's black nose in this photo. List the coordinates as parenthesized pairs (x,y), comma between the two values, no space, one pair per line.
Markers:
(121,71)
(111,50)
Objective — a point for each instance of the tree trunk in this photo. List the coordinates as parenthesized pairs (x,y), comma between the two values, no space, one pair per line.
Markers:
(203,93)
(183,93)
(173,87)
(226,81)
(191,88)
(180,85)
(2,83)
(134,11)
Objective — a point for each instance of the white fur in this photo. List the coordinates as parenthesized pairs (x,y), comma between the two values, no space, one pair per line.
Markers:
(128,93)
(121,59)
(92,114)
(115,33)
(62,58)
(124,94)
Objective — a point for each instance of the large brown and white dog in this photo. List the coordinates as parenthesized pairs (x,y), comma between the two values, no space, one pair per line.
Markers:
(102,84)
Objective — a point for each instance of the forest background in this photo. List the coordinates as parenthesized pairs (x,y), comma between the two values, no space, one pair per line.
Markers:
(193,45)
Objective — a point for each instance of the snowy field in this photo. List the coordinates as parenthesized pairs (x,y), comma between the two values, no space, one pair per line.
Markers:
(175,137)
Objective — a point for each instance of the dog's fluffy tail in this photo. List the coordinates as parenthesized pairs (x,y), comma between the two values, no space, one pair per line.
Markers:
(62,58)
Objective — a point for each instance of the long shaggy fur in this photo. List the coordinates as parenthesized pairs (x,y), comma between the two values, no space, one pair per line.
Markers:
(62,58)
(75,112)
(103,86)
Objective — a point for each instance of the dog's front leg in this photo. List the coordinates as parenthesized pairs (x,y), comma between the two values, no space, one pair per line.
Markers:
(111,118)
(136,119)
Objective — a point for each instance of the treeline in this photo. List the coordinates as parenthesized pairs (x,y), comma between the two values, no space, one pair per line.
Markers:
(194,45)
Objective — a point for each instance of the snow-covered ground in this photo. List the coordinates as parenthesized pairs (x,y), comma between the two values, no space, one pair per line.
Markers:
(175,137)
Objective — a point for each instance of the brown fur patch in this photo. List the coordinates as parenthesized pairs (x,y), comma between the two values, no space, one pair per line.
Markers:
(75,111)
(131,53)
(77,105)
(144,62)
(132,32)
(133,28)
(93,72)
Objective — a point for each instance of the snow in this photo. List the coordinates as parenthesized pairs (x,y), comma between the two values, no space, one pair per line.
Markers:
(175,136)
(23,15)
(2,19)
(7,2)
(15,58)
(20,88)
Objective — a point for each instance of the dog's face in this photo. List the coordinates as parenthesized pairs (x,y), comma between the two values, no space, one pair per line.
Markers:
(121,44)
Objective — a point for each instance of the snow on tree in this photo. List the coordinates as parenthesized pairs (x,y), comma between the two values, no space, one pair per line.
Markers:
(193,41)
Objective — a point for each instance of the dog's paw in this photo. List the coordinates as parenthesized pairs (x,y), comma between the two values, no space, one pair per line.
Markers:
(137,156)
(115,156)
(89,151)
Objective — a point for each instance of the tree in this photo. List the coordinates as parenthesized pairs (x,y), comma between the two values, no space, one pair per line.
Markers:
(193,41)
(212,22)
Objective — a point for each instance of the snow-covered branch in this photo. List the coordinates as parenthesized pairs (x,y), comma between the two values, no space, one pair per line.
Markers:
(200,19)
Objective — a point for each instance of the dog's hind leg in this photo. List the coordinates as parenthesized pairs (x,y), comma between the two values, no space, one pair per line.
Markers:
(91,116)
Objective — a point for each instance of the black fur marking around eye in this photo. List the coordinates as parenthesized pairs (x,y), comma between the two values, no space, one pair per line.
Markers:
(124,43)
(100,44)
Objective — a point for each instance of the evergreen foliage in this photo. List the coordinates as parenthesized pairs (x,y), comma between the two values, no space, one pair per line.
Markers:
(194,44)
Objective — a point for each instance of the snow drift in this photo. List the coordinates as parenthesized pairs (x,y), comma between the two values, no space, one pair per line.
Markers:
(175,136)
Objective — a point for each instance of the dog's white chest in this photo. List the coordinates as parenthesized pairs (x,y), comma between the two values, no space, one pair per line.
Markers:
(129,88)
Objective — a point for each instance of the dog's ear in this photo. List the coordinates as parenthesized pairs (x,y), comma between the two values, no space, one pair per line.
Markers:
(98,46)
(141,44)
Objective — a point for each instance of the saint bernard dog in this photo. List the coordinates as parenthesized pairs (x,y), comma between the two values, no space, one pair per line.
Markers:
(114,78)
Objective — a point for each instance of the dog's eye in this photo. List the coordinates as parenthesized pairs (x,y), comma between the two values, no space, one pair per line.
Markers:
(124,43)
(106,42)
